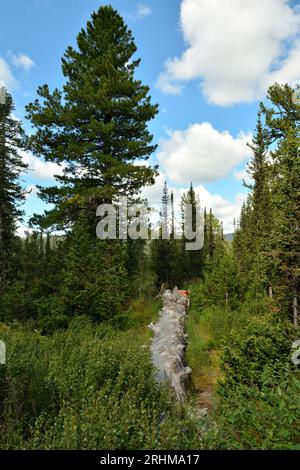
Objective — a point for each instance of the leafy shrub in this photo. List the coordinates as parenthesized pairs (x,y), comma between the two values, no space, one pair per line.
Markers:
(88,387)
(259,406)
(259,418)
(51,313)
(263,345)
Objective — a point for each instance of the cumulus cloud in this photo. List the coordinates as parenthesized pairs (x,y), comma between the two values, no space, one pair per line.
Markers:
(22,230)
(202,154)
(22,60)
(235,48)
(141,12)
(6,76)
(40,169)
(242,175)
(225,210)
(154,193)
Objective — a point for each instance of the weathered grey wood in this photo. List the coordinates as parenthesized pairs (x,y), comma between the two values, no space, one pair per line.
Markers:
(169,342)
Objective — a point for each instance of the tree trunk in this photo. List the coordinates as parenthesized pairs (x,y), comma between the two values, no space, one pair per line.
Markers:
(169,342)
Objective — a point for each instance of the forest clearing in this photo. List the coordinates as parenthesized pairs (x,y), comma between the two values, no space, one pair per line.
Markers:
(142,308)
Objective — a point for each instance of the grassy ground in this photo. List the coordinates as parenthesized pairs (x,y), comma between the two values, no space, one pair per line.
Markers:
(202,355)
(141,313)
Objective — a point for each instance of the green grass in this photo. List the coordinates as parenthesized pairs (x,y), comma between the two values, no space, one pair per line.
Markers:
(141,313)
(241,362)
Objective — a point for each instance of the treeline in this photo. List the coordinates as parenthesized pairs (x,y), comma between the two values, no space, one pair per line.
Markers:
(92,386)
(260,268)
(171,261)
(247,302)
(96,127)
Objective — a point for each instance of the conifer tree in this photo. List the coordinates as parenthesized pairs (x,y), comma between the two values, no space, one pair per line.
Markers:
(161,253)
(258,223)
(12,194)
(94,277)
(172,215)
(97,125)
(283,126)
(286,234)
(220,284)
(193,264)
(267,243)
(165,213)
(259,172)
(210,236)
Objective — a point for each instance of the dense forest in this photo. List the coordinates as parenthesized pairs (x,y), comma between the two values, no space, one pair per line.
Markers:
(75,310)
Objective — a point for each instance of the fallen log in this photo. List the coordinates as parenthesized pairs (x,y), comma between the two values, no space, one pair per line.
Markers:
(169,342)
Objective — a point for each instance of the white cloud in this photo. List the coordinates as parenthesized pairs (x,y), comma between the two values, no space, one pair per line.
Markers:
(154,193)
(6,76)
(40,169)
(22,60)
(202,154)
(225,210)
(22,230)
(235,48)
(141,12)
(242,175)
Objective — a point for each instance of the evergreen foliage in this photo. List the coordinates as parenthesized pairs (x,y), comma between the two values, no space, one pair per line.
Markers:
(12,140)
(97,125)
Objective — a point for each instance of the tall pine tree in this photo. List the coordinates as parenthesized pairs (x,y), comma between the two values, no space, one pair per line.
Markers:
(97,125)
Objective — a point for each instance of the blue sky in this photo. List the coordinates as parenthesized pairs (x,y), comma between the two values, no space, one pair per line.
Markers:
(207,65)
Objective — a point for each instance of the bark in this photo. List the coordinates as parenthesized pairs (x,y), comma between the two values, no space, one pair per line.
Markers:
(169,343)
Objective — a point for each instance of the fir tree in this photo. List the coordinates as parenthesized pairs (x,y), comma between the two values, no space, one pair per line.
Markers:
(12,194)
(286,234)
(259,172)
(193,263)
(94,277)
(161,253)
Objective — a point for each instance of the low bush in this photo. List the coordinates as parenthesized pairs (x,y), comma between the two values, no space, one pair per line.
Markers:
(259,405)
(88,387)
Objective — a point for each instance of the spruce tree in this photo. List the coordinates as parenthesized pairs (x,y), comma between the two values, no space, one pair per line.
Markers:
(267,241)
(165,213)
(94,277)
(12,195)
(193,262)
(259,171)
(260,220)
(172,215)
(286,234)
(97,125)
(161,253)
(283,126)
(220,285)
